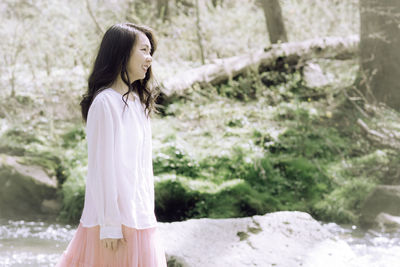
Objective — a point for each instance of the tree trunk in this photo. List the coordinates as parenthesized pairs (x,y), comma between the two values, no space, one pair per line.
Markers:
(274,20)
(130,11)
(163,9)
(217,3)
(274,58)
(379,51)
(199,33)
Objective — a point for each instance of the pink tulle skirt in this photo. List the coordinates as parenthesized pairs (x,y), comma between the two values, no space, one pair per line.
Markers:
(142,249)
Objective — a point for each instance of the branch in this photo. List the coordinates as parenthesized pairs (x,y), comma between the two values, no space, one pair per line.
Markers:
(99,29)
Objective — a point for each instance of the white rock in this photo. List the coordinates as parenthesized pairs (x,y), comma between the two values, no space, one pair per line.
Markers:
(275,239)
(314,76)
(387,222)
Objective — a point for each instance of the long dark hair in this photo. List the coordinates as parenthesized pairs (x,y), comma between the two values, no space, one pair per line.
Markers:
(111,61)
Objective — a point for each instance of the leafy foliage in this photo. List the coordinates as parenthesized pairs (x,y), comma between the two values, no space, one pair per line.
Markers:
(173,158)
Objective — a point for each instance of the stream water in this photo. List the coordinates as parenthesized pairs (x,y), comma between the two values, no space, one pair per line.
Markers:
(40,243)
(372,247)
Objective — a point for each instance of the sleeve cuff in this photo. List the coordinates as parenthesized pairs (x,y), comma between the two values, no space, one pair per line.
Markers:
(110,232)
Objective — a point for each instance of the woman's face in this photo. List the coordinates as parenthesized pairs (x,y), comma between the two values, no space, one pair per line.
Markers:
(140,59)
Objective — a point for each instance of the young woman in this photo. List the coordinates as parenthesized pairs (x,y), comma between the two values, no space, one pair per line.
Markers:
(118,226)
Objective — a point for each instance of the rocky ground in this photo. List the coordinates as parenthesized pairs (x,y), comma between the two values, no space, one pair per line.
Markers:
(284,239)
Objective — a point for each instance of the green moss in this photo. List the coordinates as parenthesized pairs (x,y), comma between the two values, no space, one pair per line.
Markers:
(254,230)
(173,158)
(73,136)
(73,192)
(353,179)
(245,87)
(310,139)
(343,204)
(174,200)
(49,160)
(21,136)
(240,200)
(242,235)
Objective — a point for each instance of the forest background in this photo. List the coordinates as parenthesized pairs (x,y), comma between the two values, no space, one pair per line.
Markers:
(278,139)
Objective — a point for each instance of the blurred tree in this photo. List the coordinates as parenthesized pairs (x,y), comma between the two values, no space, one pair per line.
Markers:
(273,17)
(130,11)
(217,2)
(15,44)
(199,33)
(379,51)
(98,27)
(163,9)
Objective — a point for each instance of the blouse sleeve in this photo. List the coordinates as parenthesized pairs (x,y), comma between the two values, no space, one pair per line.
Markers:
(101,180)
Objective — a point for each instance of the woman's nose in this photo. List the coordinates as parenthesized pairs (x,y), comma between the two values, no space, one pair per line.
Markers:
(149,59)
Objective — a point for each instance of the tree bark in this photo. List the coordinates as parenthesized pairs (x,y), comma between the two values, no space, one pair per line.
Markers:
(275,57)
(379,51)
(273,17)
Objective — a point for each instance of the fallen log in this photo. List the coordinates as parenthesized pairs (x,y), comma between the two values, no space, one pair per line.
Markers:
(385,138)
(270,58)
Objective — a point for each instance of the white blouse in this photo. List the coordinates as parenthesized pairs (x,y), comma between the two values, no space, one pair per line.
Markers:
(119,182)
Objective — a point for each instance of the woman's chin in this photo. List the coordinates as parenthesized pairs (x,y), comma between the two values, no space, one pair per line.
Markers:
(140,78)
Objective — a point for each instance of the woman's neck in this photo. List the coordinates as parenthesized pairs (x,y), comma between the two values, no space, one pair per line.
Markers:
(119,86)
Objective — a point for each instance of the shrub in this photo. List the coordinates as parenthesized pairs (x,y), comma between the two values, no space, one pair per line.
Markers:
(174,159)
(73,192)
(72,137)
(174,201)
(343,204)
